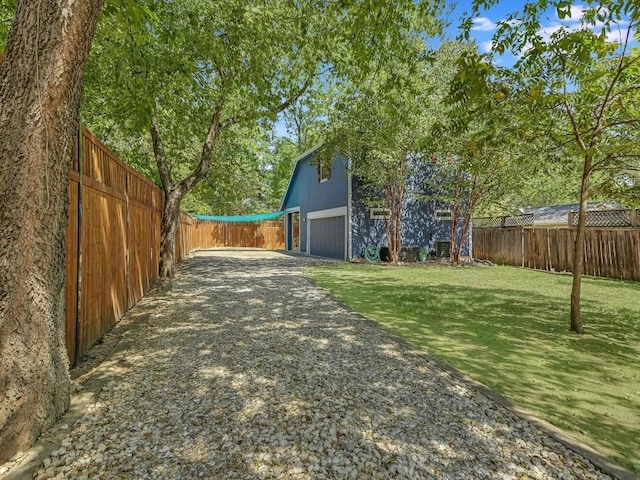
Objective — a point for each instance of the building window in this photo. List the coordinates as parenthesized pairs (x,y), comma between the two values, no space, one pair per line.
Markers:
(324,170)
(442,214)
(379,213)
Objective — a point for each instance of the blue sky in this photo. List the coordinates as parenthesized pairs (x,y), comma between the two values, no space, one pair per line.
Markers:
(485,24)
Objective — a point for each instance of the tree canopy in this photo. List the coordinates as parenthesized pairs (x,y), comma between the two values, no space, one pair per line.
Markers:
(581,90)
(192,74)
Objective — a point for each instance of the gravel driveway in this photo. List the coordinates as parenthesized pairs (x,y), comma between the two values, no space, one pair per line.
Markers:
(244,369)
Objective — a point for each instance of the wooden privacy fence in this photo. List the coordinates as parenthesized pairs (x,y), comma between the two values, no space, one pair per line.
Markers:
(267,234)
(610,252)
(113,241)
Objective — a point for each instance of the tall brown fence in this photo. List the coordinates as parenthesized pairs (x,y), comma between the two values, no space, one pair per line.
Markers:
(268,234)
(608,252)
(113,241)
(185,240)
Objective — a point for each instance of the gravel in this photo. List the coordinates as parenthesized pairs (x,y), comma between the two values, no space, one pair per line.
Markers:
(244,369)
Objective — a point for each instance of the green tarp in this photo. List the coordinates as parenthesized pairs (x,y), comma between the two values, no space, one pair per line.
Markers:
(241,218)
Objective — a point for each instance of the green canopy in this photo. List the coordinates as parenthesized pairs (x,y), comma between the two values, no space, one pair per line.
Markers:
(241,218)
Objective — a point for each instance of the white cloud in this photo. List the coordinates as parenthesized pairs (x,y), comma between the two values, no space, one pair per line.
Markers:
(547,31)
(617,35)
(577,12)
(618,32)
(483,24)
(486,46)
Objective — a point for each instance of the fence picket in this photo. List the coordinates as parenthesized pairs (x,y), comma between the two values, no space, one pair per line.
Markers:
(608,252)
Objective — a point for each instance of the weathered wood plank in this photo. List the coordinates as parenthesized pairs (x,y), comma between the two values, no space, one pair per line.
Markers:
(608,252)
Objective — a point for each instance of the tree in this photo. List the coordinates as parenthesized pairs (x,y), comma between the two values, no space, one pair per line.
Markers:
(476,143)
(40,89)
(582,88)
(378,125)
(238,182)
(280,162)
(304,119)
(232,63)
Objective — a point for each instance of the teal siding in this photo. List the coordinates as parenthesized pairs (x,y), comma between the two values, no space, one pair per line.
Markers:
(310,195)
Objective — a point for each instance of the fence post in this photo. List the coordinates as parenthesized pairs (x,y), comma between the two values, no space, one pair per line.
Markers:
(522,244)
(633,217)
(127,239)
(548,249)
(76,356)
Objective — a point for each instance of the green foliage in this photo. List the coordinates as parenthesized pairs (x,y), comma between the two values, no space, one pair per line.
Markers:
(379,124)
(582,93)
(578,90)
(476,143)
(237,183)
(199,67)
(7,10)
(280,162)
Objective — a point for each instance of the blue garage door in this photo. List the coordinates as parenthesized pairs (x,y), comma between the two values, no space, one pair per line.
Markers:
(327,237)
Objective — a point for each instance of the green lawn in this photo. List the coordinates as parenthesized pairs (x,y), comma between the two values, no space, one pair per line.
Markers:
(508,328)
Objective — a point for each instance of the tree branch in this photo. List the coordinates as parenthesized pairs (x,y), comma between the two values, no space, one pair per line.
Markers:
(274,110)
(160,156)
(201,170)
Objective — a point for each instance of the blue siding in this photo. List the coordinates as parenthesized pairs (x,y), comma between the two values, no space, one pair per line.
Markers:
(420,228)
(310,195)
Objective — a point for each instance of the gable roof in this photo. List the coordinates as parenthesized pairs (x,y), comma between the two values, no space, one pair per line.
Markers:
(301,157)
(559,214)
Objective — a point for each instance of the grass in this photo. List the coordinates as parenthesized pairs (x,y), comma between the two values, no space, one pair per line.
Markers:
(509,328)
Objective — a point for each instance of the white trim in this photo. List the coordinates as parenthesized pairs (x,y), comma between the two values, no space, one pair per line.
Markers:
(286,227)
(325,174)
(295,165)
(331,212)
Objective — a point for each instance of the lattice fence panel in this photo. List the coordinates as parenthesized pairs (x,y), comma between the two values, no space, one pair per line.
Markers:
(604,218)
(487,222)
(525,220)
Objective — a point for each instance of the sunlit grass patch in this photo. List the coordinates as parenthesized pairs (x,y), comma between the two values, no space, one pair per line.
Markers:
(509,328)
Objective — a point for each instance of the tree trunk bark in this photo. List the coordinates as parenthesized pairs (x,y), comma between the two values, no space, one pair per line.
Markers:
(455,214)
(40,89)
(169,232)
(578,249)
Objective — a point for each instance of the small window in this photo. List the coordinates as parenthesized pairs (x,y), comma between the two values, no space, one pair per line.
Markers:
(379,213)
(324,171)
(442,214)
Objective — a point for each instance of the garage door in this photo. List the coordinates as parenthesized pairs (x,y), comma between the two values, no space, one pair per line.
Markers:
(327,237)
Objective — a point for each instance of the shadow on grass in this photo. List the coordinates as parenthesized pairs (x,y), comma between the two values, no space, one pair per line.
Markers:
(517,342)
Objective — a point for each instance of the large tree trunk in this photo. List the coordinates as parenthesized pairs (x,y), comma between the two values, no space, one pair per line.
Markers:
(578,249)
(40,88)
(169,232)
